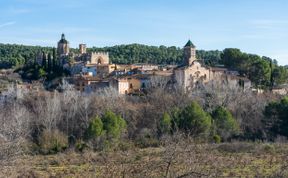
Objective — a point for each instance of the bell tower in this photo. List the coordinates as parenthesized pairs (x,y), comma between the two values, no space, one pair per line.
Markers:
(189,53)
(63,46)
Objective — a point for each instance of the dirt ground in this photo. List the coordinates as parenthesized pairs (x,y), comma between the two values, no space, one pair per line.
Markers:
(174,160)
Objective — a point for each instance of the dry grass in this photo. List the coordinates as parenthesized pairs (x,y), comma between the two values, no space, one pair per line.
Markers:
(190,160)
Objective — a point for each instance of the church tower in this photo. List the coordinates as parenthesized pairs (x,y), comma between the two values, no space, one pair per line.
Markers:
(82,48)
(189,53)
(63,46)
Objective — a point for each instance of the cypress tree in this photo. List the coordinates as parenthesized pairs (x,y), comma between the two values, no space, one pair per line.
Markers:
(54,68)
(49,63)
(44,61)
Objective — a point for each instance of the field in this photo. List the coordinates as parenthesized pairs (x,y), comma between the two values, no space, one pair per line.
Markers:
(172,160)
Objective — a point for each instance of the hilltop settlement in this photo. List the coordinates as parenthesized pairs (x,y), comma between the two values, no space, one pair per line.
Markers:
(89,71)
(92,71)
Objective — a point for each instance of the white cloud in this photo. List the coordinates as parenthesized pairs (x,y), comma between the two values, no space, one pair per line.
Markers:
(7,24)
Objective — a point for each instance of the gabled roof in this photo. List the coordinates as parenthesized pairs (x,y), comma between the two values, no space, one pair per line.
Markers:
(190,44)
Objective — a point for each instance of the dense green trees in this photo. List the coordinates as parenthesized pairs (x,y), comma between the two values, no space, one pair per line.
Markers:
(279,75)
(136,53)
(12,55)
(224,124)
(262,71)
(113,124)
(194,121)
(276,120)
(48,69)
(17,55)
(95,128)
(110,125)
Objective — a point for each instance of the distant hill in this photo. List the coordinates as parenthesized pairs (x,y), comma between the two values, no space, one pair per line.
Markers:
(137,53)
(12,55)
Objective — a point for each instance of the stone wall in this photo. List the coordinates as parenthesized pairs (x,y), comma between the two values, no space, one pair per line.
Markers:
(99,58)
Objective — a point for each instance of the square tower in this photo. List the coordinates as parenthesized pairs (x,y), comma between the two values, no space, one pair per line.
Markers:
(82,48)
(189,53)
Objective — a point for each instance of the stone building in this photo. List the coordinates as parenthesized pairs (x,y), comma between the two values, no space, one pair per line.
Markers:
(63,47)
(96,62)
(99,58)
(192,73)
(189,53)
(130,84)
(82,49)
(88,84)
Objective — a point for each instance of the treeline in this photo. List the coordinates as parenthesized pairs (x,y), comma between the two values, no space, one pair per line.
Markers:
(48,67)
(137,53)
(12,55)
(262,71)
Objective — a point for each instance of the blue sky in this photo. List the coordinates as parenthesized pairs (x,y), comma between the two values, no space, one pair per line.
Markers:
(254,26)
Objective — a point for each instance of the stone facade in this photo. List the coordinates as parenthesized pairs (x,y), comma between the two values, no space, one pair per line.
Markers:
(82,48)
(101,58)
(189,53)
(130,84)
(188,76)
(63,47)
(193,72)
(105,69)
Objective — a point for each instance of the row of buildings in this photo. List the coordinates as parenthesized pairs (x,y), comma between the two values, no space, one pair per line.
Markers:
(93,71)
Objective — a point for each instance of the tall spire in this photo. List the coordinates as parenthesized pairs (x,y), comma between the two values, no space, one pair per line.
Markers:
(63,36)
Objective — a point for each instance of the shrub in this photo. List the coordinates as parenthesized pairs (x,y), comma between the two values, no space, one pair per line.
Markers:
(113,125)
(276,118)
(80,145)
(51,142)
(95,128)
(194,120)
(224,124)
(165,124)
(104,133)
(217,139)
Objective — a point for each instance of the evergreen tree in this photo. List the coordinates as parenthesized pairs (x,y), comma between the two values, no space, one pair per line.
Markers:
(49,66)
(223,123)
(165,124)
(54,63)
(113,124)
(44,61)
(276,118)
(95,128)
(195,121)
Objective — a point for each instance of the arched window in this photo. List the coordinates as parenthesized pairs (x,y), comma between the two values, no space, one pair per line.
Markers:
(99,61)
